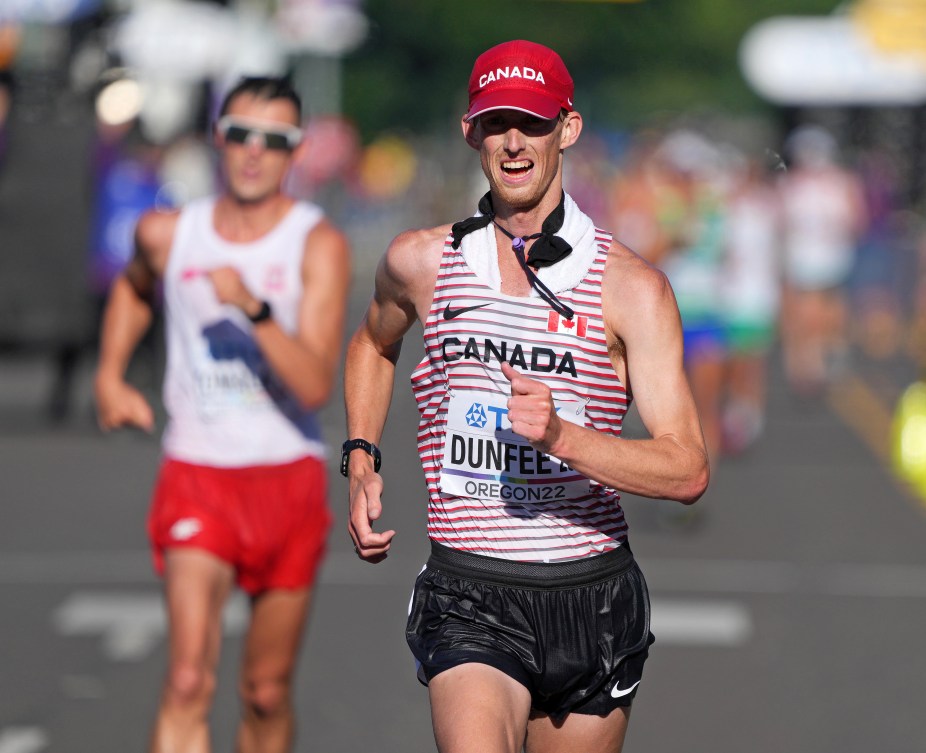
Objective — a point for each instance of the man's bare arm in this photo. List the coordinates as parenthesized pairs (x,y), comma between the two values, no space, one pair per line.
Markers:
(307,361)
(126,318)
(404,286)
(640,309)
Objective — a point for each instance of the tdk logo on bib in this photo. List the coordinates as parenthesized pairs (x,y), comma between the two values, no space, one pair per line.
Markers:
(476,416)
(483,458)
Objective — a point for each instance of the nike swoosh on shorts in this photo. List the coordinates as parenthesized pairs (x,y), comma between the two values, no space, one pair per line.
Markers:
(618,693)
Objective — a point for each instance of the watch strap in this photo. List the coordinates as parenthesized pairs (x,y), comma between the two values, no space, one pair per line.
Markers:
(263,314)
(360,444)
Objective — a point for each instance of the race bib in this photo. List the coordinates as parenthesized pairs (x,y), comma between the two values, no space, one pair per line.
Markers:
(229,375)
(485,459)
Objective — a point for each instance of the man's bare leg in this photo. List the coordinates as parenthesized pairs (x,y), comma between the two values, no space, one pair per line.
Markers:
(272,648)
(578,732)
(196,586)
(476,708)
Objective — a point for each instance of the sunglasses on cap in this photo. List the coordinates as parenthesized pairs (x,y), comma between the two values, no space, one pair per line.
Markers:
(241,131)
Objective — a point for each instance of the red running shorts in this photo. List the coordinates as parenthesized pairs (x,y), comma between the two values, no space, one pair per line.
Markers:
(269,522)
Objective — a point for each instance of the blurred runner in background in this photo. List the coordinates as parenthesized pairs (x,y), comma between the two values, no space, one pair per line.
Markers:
(693,215)
(255,288)
(750,295)
(824,216)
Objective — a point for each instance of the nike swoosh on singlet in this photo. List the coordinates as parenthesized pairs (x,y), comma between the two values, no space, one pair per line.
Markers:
(618,693)
(450,313)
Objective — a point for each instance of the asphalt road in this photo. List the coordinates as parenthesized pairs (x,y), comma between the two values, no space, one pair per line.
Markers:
(789,611)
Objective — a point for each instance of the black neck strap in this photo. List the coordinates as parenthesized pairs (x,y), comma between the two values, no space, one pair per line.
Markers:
(517,245)
(548,248)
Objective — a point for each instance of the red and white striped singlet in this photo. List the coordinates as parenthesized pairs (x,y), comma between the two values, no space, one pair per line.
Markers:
(490,493)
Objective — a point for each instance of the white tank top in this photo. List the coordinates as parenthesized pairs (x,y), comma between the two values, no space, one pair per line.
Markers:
(226,407)
(819,231)
(490,492)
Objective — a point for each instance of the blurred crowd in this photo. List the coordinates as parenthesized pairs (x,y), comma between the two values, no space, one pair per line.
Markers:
(772,241)
(791,246)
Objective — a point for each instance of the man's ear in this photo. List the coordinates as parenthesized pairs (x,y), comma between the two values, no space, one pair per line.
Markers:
(572,127)
(469,133)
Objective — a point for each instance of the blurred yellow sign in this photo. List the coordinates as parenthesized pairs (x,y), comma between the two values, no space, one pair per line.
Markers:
(893,25)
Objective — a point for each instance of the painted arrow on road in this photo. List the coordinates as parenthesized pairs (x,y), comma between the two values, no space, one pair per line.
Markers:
(130,624)
(22,740)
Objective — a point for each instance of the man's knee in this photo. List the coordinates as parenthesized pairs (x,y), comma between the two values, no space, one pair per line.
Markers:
(266,698)
(190,684)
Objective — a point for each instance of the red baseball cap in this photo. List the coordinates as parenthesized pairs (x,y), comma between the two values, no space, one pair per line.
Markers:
(520,75)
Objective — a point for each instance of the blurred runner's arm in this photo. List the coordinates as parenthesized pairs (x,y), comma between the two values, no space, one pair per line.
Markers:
(307,362)
(127,317)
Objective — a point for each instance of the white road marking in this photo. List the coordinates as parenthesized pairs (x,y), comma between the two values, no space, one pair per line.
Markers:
(22,740)
(700,623)
(879,581)
(130,624)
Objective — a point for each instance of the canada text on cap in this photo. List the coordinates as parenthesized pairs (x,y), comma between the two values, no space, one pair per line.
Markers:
(520,75)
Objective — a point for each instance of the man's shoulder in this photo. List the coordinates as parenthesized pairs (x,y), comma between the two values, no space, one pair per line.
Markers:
(421,239)
(631,279)
(154,232)
(413,256)
(417,245)
(324,231)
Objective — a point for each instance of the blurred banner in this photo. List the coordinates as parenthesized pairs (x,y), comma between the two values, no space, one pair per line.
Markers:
(893,25)
(830,60)
(322,27)
(192,41)
(46,11)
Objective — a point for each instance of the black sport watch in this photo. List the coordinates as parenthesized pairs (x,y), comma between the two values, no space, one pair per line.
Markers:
(263,314)
(359,444)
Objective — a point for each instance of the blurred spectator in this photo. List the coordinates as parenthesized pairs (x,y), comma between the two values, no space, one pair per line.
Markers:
(388,167)
(876,284)
(586,176)
(133,173)
(9,42)
(692,215)
(750,295)
(126,184)
(639,193)
(824,217)
(330,152)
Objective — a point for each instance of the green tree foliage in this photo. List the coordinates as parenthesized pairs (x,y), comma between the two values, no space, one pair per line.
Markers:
(631,61)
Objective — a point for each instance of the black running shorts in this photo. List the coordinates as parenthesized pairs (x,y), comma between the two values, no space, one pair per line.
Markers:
(575,634)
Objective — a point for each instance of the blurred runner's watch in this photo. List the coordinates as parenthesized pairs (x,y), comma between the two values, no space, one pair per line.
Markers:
(359,444)
(262,314)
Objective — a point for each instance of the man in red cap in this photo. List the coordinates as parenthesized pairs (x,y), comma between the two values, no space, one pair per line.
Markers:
(530,622)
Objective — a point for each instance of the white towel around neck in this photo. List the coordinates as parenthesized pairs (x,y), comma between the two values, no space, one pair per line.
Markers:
(481,253)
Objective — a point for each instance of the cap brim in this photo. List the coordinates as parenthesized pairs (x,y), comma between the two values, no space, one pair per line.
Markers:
(535,104)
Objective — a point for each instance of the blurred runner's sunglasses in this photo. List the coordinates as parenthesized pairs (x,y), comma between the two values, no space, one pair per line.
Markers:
(240,131)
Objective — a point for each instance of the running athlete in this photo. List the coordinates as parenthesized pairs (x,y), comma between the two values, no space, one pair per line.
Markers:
(823,218)
(255,288)
(530,622)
